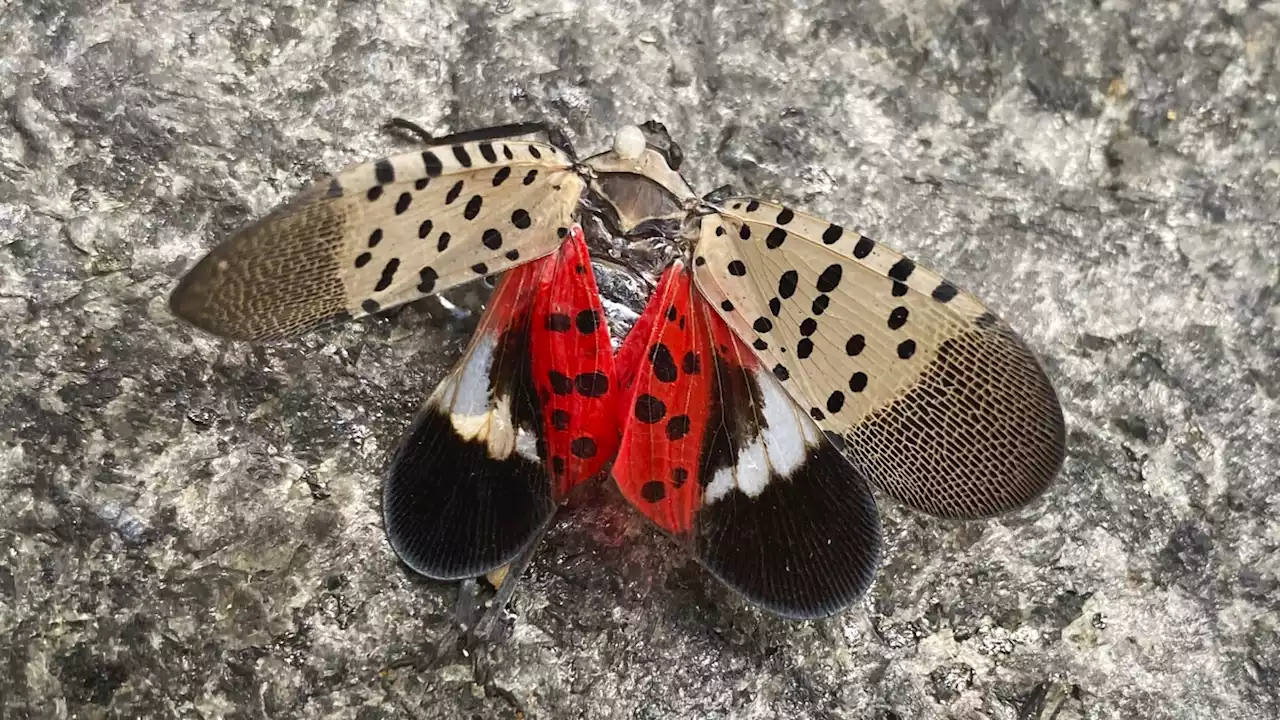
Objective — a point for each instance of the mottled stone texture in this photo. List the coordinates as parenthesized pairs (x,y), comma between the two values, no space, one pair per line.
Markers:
(190,528)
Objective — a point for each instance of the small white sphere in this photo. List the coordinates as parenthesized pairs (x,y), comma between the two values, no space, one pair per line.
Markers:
(629,142)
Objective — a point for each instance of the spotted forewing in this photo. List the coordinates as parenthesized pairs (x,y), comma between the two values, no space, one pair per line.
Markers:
(380,234)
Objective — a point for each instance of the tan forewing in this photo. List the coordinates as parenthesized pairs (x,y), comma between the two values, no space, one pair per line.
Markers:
(381,234)
(932,395)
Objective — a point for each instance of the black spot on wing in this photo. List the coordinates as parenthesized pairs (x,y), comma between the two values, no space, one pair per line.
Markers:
(453,193)
(902,269)
(649,409)
(388,275)
(558,322)
(560,383)
(583,447)
(431,163)
(664,365)
(427,280)
(678,427)
(944,292)
(787,284)
(592,384)
(586,321)
(384,171)
(776,237)
(653,491)
(830,278)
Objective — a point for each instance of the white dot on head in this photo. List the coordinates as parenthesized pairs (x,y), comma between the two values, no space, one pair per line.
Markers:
(629,142)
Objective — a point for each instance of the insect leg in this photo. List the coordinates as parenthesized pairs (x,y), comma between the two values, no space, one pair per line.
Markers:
(555,135)
(485,627)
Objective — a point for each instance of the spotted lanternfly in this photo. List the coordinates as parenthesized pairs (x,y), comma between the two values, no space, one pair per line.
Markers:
(783,365)
(525,416)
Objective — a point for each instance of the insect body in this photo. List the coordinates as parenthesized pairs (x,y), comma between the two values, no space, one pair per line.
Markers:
(783,367)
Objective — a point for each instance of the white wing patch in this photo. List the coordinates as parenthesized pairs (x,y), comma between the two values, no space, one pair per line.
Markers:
(464,396)
(785,441)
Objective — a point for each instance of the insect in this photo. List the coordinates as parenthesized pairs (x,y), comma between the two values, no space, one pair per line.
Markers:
(783,367)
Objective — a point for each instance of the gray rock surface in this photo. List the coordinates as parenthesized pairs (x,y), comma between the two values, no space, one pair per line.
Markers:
(190,527)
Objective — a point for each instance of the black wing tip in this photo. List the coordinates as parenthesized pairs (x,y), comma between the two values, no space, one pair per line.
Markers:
(748,543)
(450,568)
(451,512)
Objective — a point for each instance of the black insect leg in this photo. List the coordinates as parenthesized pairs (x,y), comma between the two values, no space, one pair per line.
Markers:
(657,137)
(484,629)
(409,127)
(555,135)
(720,194)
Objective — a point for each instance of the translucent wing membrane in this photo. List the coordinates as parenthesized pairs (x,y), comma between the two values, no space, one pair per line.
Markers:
(381,234)
(527,414)
(936,400)
(717,455)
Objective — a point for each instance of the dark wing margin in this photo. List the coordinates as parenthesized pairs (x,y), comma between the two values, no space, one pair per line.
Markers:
(924,451)
(805,548)
(464,495)
(808,544)
(452,512)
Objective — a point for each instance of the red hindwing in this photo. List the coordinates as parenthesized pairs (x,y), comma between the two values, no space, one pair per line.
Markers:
(573,367)
(525,415)
(717,455)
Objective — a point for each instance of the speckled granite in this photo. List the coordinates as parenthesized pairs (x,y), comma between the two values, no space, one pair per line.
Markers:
(190,528)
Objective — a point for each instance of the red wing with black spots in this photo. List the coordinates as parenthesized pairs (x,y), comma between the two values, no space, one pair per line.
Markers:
(716,454)
(573,367)
(509,431)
